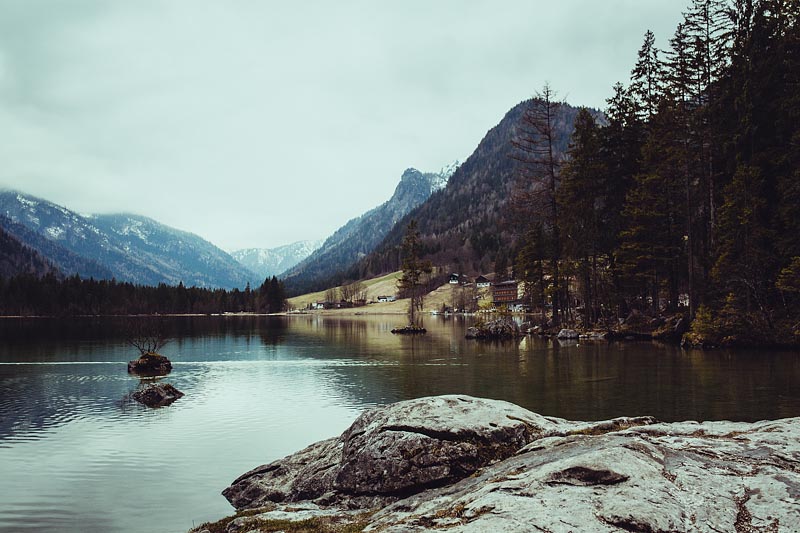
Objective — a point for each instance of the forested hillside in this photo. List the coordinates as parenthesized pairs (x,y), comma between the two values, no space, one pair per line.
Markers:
(684,198)
(325,266)
(466,227)
(16,258)
(121,246)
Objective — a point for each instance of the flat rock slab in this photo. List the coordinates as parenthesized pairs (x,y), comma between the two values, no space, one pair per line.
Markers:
(712,477)
(471,465)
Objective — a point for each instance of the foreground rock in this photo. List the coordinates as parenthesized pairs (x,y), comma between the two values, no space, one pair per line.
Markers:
(150,364)
(467,464)
(502,328)
(395,451)
(157,395)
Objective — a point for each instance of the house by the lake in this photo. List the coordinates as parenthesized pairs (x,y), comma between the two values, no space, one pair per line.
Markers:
(505,294)
(383,299)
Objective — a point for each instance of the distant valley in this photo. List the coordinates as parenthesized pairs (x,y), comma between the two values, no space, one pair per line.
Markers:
(267,262)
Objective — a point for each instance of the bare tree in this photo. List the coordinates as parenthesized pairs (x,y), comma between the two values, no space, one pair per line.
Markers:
(332,295)
(354,291)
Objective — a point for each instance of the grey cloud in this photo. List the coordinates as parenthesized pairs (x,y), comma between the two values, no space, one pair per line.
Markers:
(259,123)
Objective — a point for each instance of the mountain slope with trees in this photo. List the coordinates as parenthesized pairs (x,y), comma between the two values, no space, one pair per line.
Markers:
(682,199)
(17,259)
(359,236)
(56,256)
(126,247)
(465,227)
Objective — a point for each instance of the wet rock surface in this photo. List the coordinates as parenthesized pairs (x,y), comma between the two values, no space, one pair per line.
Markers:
(501,328)
(466,464)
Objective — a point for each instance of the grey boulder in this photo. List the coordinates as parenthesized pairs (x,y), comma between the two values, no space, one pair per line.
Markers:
(395,451)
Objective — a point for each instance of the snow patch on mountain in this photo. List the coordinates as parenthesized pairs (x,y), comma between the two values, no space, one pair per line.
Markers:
(267,262)
(55,232)
(128,247)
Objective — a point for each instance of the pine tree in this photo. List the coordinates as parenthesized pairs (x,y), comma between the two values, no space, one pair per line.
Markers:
(646,77)
(582,201)
(412,283)
(746,255)
(540,167)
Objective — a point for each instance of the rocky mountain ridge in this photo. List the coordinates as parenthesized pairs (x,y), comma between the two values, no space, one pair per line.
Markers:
(464,226)
(359,236)
(268,262)
(124,246)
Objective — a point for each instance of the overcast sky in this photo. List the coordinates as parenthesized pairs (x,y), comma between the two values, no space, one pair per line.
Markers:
(255,123)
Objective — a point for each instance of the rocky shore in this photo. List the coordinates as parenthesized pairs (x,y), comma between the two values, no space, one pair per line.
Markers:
(467,464)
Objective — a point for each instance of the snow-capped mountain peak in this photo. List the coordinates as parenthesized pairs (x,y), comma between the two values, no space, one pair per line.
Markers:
(267,262)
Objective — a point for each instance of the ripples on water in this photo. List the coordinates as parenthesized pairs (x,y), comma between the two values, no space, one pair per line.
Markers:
(77,455)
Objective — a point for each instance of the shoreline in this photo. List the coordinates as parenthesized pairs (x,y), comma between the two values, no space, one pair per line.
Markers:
(687,341)
(406,467)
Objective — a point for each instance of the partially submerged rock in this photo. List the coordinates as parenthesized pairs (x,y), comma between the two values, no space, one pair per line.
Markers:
(157,395)
(568,334)
(501,328)
(150,364)
(472,465)
(409,330)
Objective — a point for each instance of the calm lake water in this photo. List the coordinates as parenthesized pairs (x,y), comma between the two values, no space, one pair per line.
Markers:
(77,455)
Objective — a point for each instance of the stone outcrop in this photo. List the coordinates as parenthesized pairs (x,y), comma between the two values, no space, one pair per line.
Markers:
(395,451)
(471,465)
(568,334)
(157,395)
(150,364)
(501,328)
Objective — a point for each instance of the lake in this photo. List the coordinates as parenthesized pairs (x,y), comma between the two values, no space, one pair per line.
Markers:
(76,454)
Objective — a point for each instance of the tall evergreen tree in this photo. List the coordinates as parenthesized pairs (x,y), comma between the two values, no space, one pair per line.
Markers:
(647,77)
(540,168)
(412,283)
(582,203)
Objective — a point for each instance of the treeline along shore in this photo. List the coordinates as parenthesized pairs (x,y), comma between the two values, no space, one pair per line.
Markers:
(28,295)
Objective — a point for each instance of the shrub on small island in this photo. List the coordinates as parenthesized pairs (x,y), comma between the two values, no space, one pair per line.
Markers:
(148,337)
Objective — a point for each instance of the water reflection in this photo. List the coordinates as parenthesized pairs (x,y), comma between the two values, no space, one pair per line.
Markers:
(258,388)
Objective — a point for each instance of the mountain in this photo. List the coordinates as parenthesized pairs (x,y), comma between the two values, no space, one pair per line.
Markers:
(58,257)
(361,235)
(128,247)
(267,262)
(16,258)
(463,226)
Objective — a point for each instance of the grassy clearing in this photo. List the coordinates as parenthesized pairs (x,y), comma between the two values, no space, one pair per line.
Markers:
(384,285)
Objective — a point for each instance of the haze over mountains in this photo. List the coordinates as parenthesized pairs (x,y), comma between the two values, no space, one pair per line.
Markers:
(459,211)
